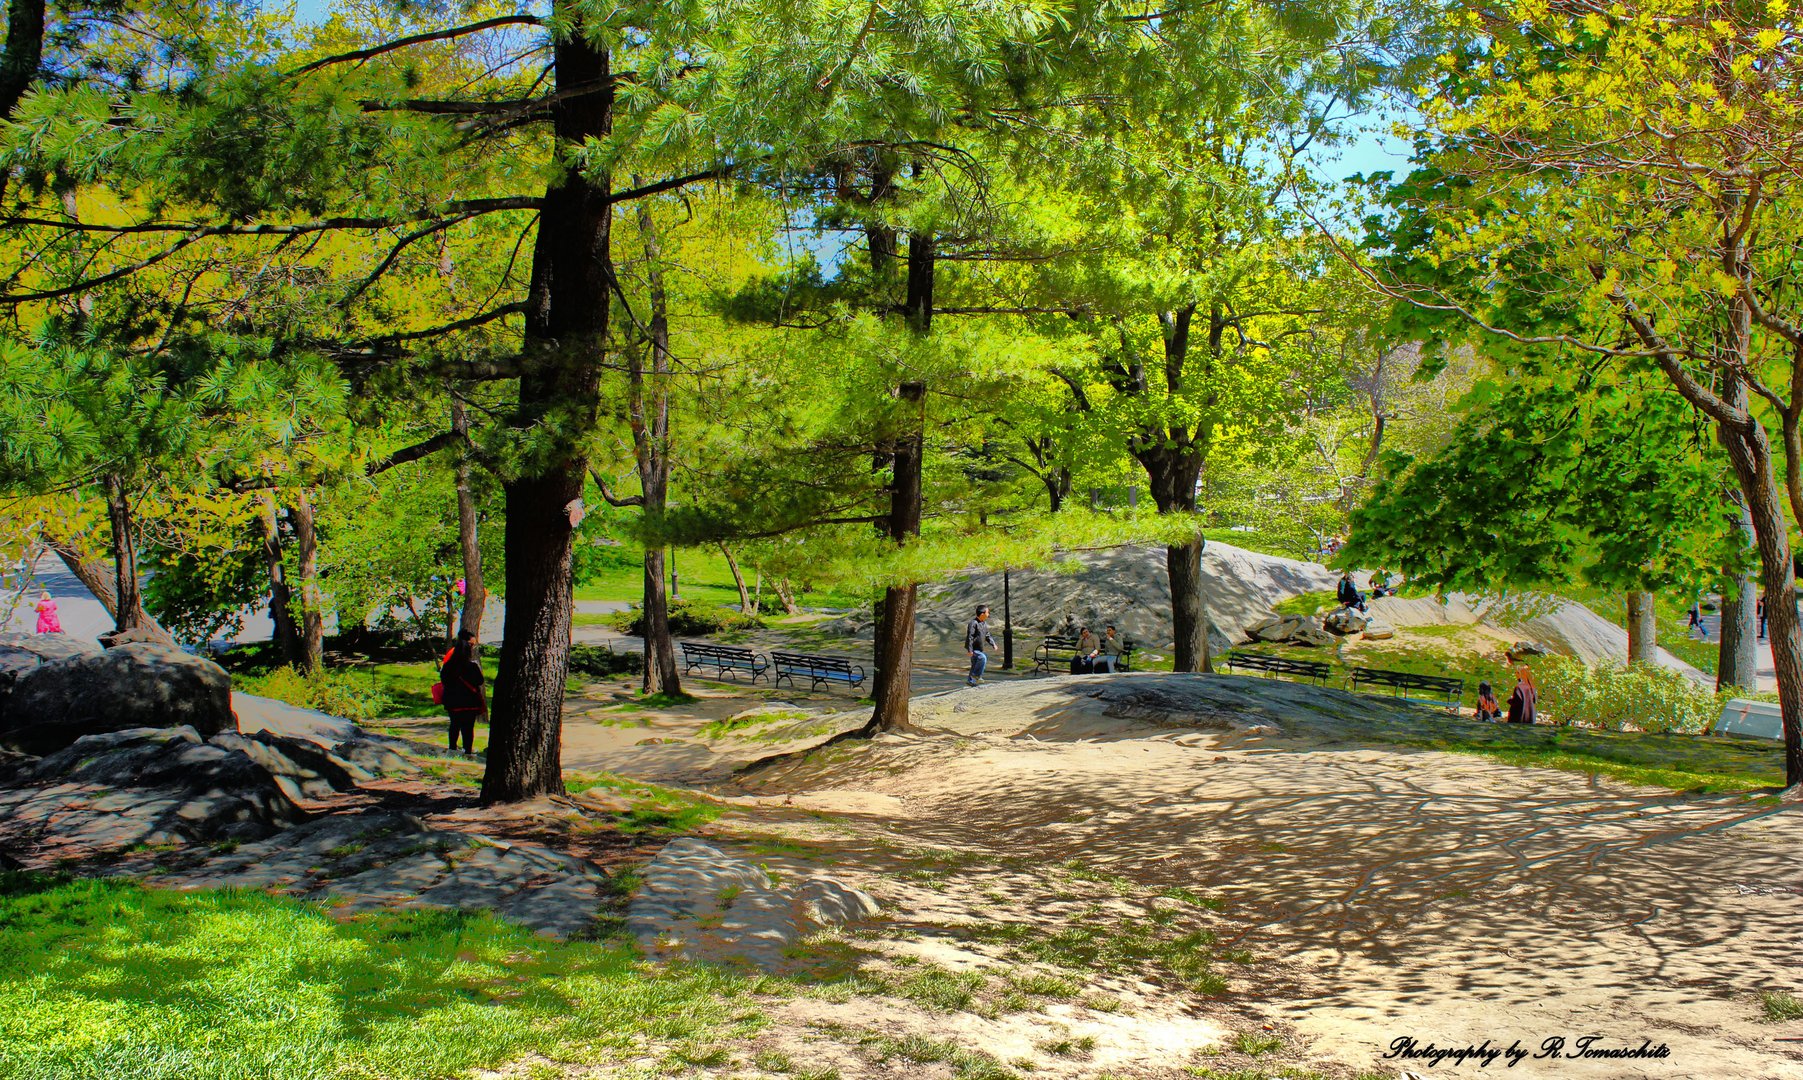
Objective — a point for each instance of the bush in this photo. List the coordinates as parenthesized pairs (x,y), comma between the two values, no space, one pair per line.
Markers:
(338,693)
(1613,697)
(600,662)
(690,620)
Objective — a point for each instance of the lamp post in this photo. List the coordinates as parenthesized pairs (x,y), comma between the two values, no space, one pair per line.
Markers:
(1007,626)
(675,588)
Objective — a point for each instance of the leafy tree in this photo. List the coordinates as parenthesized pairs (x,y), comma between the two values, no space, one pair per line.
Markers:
(1635,164)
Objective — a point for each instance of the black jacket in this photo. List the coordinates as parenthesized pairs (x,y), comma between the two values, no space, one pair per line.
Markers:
(976,636)
(1349,593)
(462,678)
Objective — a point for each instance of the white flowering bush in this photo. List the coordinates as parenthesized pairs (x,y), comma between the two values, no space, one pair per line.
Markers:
(1616,697)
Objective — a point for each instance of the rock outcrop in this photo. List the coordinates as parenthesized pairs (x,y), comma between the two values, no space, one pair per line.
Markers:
(1345,621)
(1289,630)
(137,685)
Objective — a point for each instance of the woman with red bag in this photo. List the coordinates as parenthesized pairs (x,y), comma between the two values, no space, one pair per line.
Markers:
(461,676)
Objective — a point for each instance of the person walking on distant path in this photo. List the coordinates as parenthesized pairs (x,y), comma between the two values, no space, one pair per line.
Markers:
(464,702)
(1525,697)
(48,622)
(1759,609)
(1696,623)
(977,642)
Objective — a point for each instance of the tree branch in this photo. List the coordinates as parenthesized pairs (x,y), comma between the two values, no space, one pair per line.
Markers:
(608,494)
(373,51)
(415,452)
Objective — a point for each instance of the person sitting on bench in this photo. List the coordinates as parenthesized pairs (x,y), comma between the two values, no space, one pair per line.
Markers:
(1349,593)
(1084,661)
(1112,647)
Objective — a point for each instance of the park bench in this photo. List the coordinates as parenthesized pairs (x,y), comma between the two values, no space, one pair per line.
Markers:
(820,669)
(1055,650)
(1313,670)
(1058,651)
(1446,692)
(723,658)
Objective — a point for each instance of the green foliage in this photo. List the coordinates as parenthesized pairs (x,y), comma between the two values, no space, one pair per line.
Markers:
(1780,1006)
(1619,698)
(600,662)
(1549,477)
(349,694)
(106,978)
(688,619)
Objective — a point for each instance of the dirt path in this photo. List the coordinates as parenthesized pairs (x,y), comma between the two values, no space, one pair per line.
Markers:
(1382,894)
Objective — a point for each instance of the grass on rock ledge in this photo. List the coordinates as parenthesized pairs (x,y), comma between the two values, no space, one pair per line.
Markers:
(101,979)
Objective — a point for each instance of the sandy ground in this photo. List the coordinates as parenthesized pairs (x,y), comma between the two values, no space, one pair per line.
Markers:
(1382,894)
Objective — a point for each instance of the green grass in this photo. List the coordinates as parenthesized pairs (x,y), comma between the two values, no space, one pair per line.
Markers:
(102,979)
(654,809)
(1140,947)
(1306,603)
(1779,1006)
(703,577)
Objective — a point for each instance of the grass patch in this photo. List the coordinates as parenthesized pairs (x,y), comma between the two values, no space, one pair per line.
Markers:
(1253,1044)
(1123,946)
(105,978)
(654,809)
(719,729)
(1306,603)
(1779,1006)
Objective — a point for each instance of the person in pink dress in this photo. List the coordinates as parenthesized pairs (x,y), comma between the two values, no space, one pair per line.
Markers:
(48,623)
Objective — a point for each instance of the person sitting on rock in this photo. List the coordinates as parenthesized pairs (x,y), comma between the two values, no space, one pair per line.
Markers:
(1487,708)
(1349,593)
(464,701)
(1380,584)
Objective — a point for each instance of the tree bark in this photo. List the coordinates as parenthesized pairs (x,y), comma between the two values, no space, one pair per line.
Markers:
(649,407)
(128,611)
(738,579)
(1737,665)
(281,611)
(787,596)
(565,340)
(1643,629)
(20,62)
(1749,450)
(893,683)
(475,593)
(311,653)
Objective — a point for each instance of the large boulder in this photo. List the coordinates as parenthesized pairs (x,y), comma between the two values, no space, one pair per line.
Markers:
(132,686)
(1289,630)
(21,654)
(1345,621)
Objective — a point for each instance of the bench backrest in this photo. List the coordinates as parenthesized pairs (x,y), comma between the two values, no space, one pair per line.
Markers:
(1058,641)
(821,663)
(728,652)
(1407,680)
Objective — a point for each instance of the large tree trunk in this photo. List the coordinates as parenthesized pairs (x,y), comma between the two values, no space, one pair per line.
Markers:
(1737,665)
(1643,629)
(650,416)
(895,622)
(1189,612)
(475,593)
(311,653)
(1750,452)
(281,610)
(128,604)
(566,328)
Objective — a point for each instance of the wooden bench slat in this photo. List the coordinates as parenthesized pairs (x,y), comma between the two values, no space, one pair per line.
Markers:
(723,658)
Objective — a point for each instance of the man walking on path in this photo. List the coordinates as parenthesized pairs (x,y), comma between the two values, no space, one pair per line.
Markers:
(976,643)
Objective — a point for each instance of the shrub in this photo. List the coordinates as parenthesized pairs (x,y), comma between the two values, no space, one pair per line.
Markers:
(690,620)
(600,662)
(339,693)
(1612,697)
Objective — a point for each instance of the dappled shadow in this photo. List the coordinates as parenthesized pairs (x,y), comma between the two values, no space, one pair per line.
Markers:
(1382,881)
